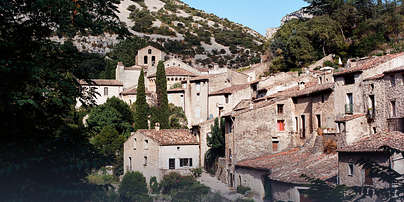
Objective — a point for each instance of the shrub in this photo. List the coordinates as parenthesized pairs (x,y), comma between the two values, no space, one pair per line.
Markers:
(242,189)
(174,182)
(196,172)
(133,187)
(154,185)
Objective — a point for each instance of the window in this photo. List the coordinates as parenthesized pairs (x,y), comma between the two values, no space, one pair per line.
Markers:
(226,98)
(393,108)
(198,86)
(392,81)
(349,79)
(134,143)
(368,178)
(303,132)
(372,86)
(145,59)
(374,130)
(186,162)
(318,120)
(322,98)
(146,144)
(280,108)
(178,148)
(275,143)
(171,164)
(105,91)
(145,161)
(281,125)
(229,153)
(149,51)
(349,103)
(297,124)
(350,169)
(130,164)
(153,60)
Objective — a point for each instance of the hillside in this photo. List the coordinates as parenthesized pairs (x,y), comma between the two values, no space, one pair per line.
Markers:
(193,35)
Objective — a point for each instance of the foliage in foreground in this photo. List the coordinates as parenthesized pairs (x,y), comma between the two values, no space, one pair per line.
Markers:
(133,188)
(216,142)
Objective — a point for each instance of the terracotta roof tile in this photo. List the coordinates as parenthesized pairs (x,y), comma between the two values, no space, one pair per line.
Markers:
(171,136)
(243,104)
(395,70)
(288,166)
(176,71)
(202,69)
(231,89)
(348,117)
(132,91)
(373,143)
(368,64)
(102,82)
(377,76)
(176,90)
(314,89)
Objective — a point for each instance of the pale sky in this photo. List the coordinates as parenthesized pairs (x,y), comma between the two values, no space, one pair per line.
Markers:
(256,14)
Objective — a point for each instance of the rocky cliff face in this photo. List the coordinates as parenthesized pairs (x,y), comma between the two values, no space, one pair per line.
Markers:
(192,35)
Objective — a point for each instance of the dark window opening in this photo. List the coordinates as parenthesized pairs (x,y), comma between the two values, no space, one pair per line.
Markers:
(275,144)
(318,120)
(393,81)
(149,51)
(186,162)
(153,60)
(145,59)
(280,108)
(349,79)
(303,130)
(106,91)
(171,164)
(393,108)
(322,98)
(226,98)
(350,169)
(368,178)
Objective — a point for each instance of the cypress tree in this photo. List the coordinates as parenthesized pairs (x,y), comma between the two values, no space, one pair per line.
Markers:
(142,108)
(162,100)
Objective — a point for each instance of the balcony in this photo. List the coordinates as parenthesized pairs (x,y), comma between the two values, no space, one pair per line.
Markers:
(349,109)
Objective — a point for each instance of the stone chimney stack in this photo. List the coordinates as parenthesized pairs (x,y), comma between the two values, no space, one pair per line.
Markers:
(157,126)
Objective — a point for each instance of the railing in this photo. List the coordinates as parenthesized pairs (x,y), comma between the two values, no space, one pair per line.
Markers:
(349,109)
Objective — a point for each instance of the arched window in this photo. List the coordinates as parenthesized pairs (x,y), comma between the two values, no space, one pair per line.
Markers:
(145,59)
(149,51)
(105,91)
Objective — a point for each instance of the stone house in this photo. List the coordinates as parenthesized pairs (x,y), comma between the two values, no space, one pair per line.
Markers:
(277,177)
(158,152)
(368,147)
(129,76)
(174,62)
(103,88)
(174,75)
(223,101)
(149,57)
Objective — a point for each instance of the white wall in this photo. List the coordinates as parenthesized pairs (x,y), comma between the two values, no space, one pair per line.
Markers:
(113,91)
(184,151)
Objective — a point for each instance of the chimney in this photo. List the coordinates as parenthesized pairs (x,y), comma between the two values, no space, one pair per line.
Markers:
(157,126)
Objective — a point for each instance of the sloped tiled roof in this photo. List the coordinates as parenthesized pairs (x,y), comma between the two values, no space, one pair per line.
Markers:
(398,69)
(167,137)
(314,89)
(372,143)
(176,71)
(243,104)
(102,82)
(132,91)
(288,166)
(348,117)
(377,76)
(176,90)
(231,89)
(368,64)
(202,69)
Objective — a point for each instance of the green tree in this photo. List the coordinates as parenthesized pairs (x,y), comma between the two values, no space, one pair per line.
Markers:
(142,108)
(45,153)
(216,142)
(177,118)
(133,188)
(109,142)
(162,100)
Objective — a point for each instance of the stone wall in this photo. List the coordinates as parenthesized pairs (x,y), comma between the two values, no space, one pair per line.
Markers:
(253,179)
(128,76)
(177,98)
(100,98)
(145,56)
(136,148)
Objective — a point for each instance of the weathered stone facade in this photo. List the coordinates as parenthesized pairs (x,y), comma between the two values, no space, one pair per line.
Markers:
(149,56)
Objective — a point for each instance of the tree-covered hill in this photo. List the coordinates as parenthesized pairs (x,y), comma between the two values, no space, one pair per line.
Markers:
(346,28)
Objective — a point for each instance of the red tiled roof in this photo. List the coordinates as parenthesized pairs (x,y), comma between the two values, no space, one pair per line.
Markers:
(368,64)
(176,71)
(288,166)
(102,82)
(395,70)
(171,136)
(377,76)
(175,90)
(132,91)
(230,90)
(314,89)
(373,143)
(348,117)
